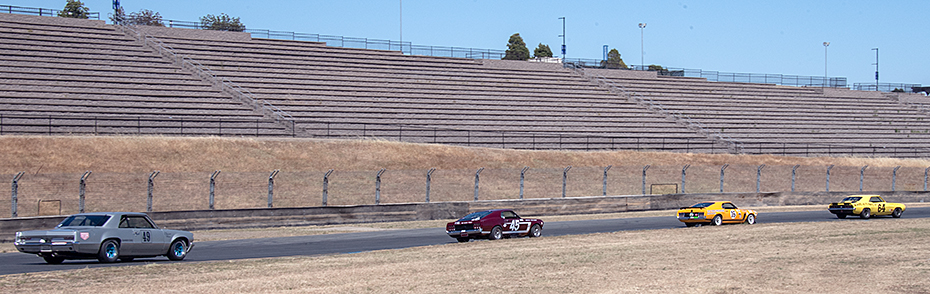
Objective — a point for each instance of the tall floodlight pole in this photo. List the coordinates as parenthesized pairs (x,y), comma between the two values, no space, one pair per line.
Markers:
(642,51)
(563,37)
(876,68)
(825,80)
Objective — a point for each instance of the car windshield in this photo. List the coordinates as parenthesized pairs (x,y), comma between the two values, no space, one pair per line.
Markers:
(475,216)
(702,205)
(84,221)
(852,199)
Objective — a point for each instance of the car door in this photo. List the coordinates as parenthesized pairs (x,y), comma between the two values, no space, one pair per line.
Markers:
(150,240)
(511,221)
(128,239)
(731,212)
(878,206)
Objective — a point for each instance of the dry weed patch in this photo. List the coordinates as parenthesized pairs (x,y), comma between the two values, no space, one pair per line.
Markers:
(768,258)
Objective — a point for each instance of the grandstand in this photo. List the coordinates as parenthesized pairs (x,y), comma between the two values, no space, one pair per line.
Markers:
(84,76)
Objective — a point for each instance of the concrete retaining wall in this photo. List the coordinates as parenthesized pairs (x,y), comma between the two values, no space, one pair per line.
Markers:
(303,216)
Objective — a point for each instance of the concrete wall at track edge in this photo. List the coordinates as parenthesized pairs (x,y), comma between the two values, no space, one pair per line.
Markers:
(328,215)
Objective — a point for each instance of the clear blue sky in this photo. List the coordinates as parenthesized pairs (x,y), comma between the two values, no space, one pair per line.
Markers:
(783,37)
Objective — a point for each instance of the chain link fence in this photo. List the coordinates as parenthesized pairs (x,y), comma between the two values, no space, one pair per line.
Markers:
(239,190)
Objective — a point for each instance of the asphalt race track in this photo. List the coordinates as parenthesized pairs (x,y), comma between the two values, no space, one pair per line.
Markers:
(393,239)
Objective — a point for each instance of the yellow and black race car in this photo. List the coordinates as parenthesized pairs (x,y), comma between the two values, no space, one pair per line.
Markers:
(866,206)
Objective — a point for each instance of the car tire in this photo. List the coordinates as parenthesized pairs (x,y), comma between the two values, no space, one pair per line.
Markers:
(109,251)
(462,240)
(865,214)
(535,231)
(718,220)
(751,219)
(896,213)
(496,233)
(51,259)
(177,250)
(840,215)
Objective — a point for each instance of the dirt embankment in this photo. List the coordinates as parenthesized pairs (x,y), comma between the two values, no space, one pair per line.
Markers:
(45,154)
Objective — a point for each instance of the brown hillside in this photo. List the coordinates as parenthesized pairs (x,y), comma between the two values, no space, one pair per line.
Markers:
(43,154)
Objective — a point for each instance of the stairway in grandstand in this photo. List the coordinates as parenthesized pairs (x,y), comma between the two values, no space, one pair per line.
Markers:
(62,75)
(772,119)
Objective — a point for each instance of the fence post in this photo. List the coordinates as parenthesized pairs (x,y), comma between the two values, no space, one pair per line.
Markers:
(794,171)
(15,191)
(378,186)
(477,177)
(271,187)
(565,179)
(722,169)
(894,177)
(683,175)
(862,176)
(148,206)
(326,186)
(646,167)
(925,177)
(828,177)
(213,187)
(759,178)
(429,178)
(81,191)
(523,176)
(605,178)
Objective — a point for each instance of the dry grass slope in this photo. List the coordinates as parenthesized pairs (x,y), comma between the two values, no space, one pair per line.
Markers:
(45,154)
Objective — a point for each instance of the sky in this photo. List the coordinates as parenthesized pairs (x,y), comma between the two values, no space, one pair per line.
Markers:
(771,37)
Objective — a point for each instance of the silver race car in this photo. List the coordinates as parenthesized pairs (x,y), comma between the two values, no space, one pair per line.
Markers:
(106,236)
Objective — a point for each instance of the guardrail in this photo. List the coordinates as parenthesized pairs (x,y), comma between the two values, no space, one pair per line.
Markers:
(39,11)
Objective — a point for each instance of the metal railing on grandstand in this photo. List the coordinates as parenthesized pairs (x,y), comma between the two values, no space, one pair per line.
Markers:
(39,11)
(361,43)
(11,124)
(886,87)
(716,76)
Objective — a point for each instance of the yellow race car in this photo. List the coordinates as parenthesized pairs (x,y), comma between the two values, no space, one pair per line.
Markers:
(715,213)
(866,206)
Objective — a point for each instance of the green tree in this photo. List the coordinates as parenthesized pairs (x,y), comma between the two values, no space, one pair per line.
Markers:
(118,16)
(145,17)
(542,51)
(614,60)
(221,22)
(516,49)
(655,67)
(75,9)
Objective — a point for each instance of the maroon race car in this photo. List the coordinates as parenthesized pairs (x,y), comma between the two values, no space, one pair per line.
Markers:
(493,224)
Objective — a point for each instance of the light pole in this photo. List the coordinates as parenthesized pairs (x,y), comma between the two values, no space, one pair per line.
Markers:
(825,79)
(563,38)
(642,64)
(876,68)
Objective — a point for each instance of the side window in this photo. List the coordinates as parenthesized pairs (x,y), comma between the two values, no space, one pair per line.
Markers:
(139,222)
(876,199)
(124,222)
(729,206)
(508,214)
